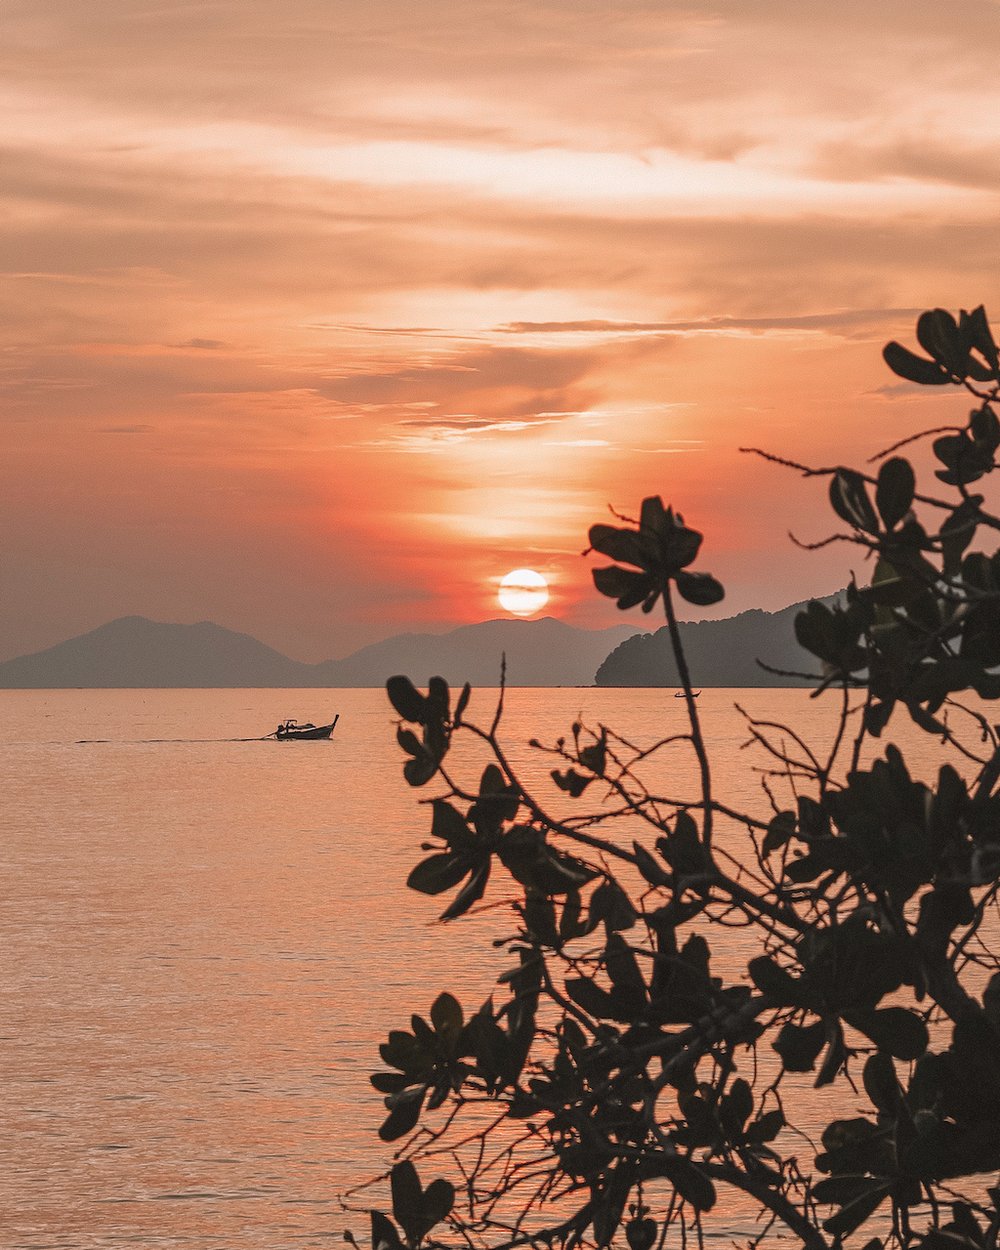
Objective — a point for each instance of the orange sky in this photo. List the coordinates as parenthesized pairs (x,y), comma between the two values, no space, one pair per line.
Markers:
(322,315)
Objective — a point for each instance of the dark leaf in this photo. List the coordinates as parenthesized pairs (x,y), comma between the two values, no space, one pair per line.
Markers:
(384,1235)
(894,490)
(448,825)
(439,1198)
(799,1045)
(780,829)
(699,588)
(881,1084)
(854,1214)
(649,866)
(914,368)
(691,1183)
(849,497)
(419,770)
(766,1127)
(895,1030)
(571,781)
(470,893)
(404,1114)
(780,986)
(623,968)
(626,587)
(624,545)
(437,873)
(641,1234)
(406,699)
(838,1190)
(594,1001)
(834,1058)
(446,1017)
(976,328)
(939,335)
(407,1199)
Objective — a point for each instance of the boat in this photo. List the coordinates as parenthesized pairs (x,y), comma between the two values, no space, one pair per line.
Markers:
(681,695)
(292,731)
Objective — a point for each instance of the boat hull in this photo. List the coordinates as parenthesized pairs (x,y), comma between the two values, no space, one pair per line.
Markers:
(311,733)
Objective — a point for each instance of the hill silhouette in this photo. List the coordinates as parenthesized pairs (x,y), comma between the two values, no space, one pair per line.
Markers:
(719,653)
(133,652)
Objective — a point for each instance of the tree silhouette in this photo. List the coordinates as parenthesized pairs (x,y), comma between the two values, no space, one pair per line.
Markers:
(616,1081)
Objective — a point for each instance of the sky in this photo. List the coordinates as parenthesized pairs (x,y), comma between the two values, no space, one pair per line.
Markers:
(320,316)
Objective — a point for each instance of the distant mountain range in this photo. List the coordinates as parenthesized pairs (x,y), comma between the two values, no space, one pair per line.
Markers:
(719,653)
(136,652)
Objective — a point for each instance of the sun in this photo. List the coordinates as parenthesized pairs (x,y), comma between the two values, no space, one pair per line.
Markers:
(523,592)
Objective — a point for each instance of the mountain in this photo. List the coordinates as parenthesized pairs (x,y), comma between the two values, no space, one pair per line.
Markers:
(719,653)
(136,652)
(546,652)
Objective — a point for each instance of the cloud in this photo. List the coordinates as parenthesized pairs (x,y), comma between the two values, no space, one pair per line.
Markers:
(847,322)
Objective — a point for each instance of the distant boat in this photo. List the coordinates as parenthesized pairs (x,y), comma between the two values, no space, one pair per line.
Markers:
(680,694)
(292,731)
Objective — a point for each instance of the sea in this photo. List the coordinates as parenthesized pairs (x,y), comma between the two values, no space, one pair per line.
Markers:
(205,934)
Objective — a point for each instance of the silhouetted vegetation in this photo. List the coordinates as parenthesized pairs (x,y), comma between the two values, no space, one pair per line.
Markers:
(618,1081)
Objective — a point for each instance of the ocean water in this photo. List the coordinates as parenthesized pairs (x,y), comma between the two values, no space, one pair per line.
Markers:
(204,937)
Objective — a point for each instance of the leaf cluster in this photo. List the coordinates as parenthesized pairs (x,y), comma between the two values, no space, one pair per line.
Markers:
(627,1068)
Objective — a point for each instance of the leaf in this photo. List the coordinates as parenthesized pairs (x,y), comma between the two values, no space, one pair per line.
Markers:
(834,1058)
(849,498)
(407,1198)
(641,1233)
(840,1189)
(470,893)
(737,1107)
(699,588)
(463,702)
(779,830)
(766,1127)
(907,364)
(624,545)
(389,1082)
(976,329)
(571,781)
(774,981)
(895,1030)
(799,1045)
(419,770)
(594,1001)
(894,490)
(446,1016)
(626,587)
(439,1198)
(404,1114)
(880,1081)
(938,334)
(622,967)
(437,873)
(593,757)
(691,1183)
(650,866)
(384,1235)
(406,699)
(448,825)
(854,1214)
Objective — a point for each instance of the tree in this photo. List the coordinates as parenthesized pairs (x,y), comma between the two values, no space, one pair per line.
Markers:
(616,1083)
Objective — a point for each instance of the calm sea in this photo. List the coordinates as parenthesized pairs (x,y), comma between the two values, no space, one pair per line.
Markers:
(204,939)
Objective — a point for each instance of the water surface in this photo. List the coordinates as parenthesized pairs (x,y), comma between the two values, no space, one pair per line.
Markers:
(205,938)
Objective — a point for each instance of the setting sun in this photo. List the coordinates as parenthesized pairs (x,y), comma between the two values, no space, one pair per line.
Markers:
(523,592)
